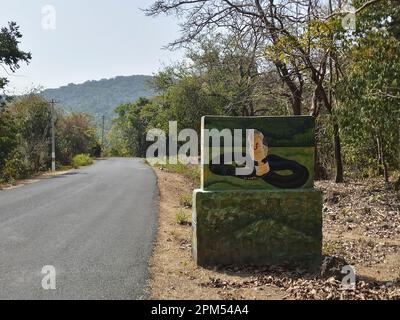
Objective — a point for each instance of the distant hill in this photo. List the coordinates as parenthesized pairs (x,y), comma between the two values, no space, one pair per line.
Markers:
(102,96)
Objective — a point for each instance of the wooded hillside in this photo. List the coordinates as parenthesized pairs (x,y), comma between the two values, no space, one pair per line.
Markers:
(101,97)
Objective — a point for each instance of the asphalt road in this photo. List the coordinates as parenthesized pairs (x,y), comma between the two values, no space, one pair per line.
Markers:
(95,225)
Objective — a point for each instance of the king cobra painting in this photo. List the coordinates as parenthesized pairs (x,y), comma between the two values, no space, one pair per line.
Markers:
(266,166)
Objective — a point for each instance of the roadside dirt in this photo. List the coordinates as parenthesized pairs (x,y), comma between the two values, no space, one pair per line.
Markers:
(361,228)
(36,178)
(173,273)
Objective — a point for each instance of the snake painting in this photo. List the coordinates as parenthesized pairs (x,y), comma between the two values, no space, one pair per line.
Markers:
(266,166)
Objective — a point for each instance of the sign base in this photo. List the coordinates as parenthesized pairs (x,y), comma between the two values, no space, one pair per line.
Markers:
(257,227)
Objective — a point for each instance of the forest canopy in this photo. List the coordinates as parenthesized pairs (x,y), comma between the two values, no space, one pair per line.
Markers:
(285,57)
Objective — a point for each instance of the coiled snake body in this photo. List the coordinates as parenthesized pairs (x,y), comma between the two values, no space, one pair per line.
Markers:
(296,179)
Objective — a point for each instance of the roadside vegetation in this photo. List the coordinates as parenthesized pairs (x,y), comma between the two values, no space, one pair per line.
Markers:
(182,218)
(347,79)
(25,124)
(81,160)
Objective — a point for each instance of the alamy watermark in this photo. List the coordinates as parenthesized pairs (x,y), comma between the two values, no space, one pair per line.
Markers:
(49,279)
(349,280)
(49,17)
(349,20)
(165,147)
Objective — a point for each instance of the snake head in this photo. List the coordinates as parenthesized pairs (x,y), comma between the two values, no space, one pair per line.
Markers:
(257,149)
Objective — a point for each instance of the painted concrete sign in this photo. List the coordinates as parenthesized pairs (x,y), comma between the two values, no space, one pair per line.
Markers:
(269,214)
(283,153)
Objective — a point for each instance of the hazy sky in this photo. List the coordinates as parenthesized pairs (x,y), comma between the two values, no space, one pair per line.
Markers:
(92,39)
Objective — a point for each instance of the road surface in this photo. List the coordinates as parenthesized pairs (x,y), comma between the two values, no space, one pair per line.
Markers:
(95,225)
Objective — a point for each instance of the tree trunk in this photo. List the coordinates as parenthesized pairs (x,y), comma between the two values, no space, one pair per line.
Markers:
(296,103)
(397,185)
(382,158)
(338,153)
(251,108)
(314,105)
(380,163)
(385,172)
(321,94)
(319,170)
(296,90)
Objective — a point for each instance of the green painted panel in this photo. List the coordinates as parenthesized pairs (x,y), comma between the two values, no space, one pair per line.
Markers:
(287,160)
(257,227)
(292,131)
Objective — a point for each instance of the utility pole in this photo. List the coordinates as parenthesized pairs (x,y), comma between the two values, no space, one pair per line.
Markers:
(53,136)
(102,135)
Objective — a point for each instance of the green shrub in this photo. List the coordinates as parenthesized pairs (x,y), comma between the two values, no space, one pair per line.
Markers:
(16,167)
(81,160)
(185,200)
(182,218)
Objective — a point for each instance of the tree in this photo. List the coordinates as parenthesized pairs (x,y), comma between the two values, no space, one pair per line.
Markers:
(369,94)
(127,134)
(262,20)
(10,54)
(235,80)
(219,76)
(75,135)
(8,136)
(300,37)
(10,57)
(32,116)
(25,137)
